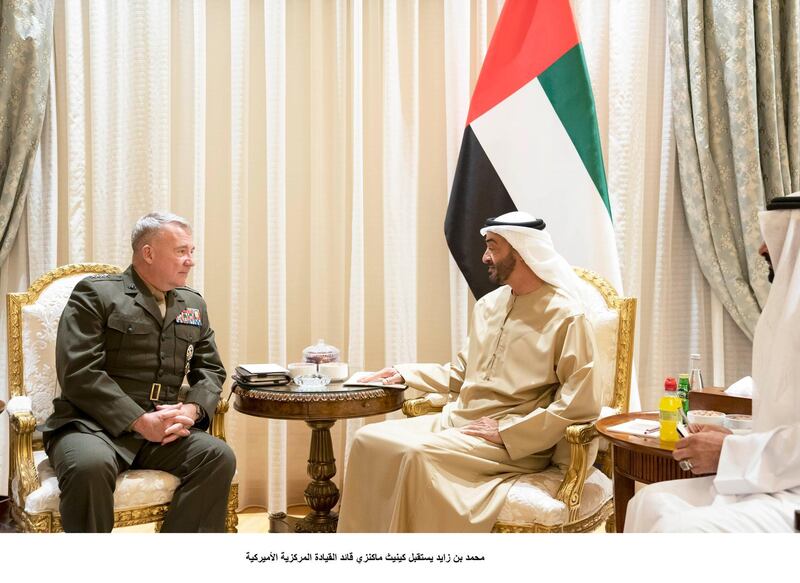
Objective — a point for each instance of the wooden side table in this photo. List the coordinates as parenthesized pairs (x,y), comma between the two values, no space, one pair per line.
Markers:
(319,408)
(718,400)
(637,459)
(647,459)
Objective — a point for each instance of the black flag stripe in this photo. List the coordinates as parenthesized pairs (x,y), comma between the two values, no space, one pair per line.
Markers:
(477,194)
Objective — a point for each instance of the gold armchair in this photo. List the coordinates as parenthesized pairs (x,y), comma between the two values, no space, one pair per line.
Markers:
(142,496)
(573,497)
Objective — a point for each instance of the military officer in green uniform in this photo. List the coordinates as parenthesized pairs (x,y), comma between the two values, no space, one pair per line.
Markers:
(125,343)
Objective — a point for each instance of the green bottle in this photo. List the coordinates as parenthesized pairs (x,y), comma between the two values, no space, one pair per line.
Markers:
(683,391)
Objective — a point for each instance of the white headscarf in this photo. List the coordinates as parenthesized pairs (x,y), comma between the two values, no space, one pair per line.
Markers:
(776,345)
(537,251)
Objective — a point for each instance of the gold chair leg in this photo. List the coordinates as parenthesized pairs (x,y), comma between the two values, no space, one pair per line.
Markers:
(232,519)
(611,524)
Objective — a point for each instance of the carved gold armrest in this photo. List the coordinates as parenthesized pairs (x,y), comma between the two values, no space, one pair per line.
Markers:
(23,424)
(579,436)
(603,460)
(218,422)
(421,406)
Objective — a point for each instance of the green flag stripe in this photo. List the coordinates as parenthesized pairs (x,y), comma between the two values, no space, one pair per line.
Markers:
(566,84)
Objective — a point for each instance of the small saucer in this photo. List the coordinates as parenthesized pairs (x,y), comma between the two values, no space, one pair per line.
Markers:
(312,381)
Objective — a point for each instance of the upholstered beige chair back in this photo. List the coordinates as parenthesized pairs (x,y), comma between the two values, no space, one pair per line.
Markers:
(613,320)
(32,326)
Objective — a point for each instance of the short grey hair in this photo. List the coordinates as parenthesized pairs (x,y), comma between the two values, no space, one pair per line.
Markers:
(152,223)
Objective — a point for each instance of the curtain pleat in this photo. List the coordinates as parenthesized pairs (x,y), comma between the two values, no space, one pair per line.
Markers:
(42,204)
(188,124)
(457,30)
(275,52)
(356,324)
(77,167)
(400,172)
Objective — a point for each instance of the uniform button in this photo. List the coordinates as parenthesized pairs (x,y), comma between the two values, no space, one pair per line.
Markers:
(163,355)
(130,329)
(163,337)
(161,372)
(131,286)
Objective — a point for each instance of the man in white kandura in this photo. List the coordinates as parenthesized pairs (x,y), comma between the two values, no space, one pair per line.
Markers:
(757,483)
(524,376)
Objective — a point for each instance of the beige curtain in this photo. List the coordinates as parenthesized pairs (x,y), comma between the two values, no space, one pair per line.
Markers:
(735,99)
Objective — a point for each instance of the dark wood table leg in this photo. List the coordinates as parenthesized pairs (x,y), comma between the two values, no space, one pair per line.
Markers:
(623,492)
(321,494)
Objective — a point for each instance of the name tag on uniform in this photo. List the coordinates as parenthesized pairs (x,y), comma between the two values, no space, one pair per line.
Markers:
(189,316)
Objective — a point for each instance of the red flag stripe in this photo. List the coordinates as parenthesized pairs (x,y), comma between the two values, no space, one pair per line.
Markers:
(530,36)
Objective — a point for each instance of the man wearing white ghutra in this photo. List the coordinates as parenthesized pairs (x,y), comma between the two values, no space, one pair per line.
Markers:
(525,375)
(756,486)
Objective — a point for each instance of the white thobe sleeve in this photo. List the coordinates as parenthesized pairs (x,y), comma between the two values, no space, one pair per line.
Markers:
(576,400)
(435,378)
(763,462)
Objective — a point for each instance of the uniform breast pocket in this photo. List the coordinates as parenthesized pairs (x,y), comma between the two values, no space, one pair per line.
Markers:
(186,337)
(125,335)
(187,333)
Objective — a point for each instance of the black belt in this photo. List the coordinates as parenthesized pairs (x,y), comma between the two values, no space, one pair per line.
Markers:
(153,392)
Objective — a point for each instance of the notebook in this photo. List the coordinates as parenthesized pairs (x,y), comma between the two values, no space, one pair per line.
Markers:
(354,381)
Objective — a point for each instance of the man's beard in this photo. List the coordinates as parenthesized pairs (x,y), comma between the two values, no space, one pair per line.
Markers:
(502,269)
(771,274)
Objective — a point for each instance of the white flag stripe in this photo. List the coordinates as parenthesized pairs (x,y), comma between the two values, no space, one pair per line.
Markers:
(538,164)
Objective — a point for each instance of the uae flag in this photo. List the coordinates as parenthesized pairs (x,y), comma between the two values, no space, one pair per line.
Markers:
(532,144)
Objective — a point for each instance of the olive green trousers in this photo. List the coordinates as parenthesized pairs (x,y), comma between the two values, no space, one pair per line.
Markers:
(87,467)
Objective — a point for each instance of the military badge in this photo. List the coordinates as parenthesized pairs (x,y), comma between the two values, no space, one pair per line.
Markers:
(189,316)
(189,354)
(102,276)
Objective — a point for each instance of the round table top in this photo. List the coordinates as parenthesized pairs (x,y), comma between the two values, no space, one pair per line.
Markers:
(651,445)
(334,401)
